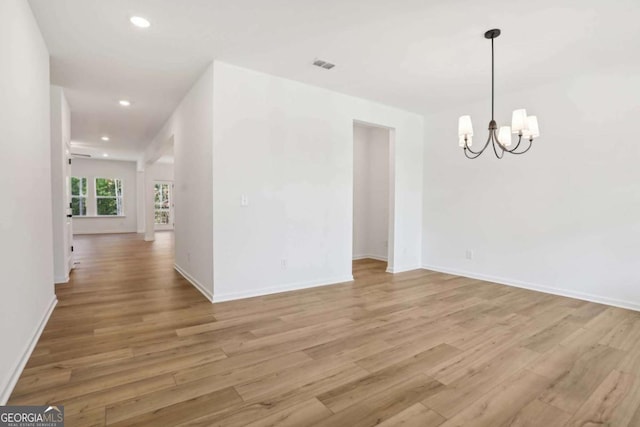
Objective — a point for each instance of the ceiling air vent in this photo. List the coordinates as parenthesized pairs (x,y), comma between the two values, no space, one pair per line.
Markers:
(323,64)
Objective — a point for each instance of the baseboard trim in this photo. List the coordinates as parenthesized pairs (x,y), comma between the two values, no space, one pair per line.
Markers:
(7,389)
(376,257)
(395,270)
(75,233)
(536,287)
(282,288)
(204,291)
(61,280)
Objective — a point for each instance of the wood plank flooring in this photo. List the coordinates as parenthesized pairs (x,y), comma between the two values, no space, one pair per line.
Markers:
(132,343)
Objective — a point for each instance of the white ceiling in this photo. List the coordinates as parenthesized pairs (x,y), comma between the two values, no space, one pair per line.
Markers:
(415,54)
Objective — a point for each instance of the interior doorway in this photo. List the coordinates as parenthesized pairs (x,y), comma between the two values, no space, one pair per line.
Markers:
(163,205)
(159,193)
(373,194)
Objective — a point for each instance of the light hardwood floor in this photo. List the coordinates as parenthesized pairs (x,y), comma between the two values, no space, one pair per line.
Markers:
(132,343)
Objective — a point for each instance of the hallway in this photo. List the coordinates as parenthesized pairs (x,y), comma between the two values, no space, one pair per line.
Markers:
(132,343)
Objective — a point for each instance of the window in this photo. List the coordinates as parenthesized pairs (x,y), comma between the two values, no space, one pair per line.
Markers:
(78,196)
(109,197)
(162,193)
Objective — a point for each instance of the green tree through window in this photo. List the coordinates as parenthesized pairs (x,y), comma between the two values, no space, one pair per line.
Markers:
(109,196)
(78,196)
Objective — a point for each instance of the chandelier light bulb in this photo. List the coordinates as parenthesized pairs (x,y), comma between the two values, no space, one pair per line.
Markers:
(532,125)
(504,136)
(519,121)
(469,141)
(464,126)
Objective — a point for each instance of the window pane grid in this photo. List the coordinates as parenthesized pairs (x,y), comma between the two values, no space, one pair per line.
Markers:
(109,197)
(78,196)
(162,204)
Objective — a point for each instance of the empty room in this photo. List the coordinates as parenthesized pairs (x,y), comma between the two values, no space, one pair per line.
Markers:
(302,213)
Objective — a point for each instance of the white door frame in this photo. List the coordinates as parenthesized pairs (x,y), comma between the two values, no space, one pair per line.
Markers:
(391,243)
(68,219)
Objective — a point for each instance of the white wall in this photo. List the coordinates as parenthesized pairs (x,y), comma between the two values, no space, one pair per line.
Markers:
(92,169)
(26,247)
(60,139)
(190,130)
(371,192)
(161,171)
(288,147)
(565,217)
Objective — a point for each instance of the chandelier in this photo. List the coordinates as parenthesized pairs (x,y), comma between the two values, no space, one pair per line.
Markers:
(500,139)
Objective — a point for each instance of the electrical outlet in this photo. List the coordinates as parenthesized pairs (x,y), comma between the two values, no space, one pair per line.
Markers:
(283,264)
(468,254)
(244,201)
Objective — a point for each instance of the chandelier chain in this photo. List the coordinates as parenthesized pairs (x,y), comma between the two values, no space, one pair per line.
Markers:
(492,81)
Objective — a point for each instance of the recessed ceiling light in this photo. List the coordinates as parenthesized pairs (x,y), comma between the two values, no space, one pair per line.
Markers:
(105,155)
(124,102)
(105,138)
(140,22)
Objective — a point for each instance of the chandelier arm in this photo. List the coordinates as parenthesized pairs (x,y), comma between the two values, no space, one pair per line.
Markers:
(516,147)
(499,156)
(481,150)
(471,157)
(526,149)
(496,141)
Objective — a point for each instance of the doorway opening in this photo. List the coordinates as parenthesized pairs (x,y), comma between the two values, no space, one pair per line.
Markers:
(159,192)
(372,197)
(163,205)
